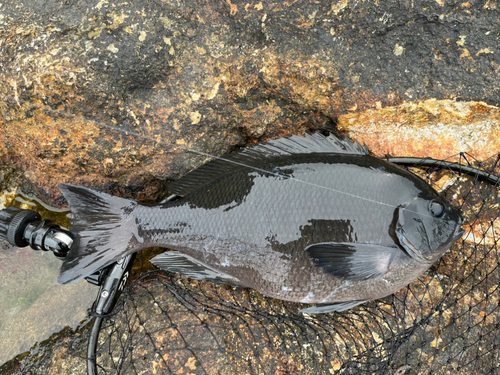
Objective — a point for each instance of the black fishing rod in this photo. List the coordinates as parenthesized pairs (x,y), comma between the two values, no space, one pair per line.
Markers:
(443,164)
(23,228)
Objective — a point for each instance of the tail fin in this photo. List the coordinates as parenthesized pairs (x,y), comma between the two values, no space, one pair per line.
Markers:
(105,230)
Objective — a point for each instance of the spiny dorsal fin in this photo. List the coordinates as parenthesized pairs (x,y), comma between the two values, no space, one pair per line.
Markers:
(307,144)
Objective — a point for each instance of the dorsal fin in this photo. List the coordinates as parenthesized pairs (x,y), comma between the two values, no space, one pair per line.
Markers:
(307,144)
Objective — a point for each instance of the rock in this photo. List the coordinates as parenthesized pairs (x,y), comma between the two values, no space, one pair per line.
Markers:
(431,128)
(97,93)
(53,356)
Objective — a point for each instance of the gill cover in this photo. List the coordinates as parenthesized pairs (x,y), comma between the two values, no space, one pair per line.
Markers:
(424,235)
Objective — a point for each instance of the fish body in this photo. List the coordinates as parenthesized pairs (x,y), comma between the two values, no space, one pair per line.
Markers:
(307,219)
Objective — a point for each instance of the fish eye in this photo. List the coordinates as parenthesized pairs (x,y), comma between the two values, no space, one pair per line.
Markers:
(436,209)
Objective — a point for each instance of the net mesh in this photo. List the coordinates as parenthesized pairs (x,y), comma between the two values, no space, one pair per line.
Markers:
(446,322)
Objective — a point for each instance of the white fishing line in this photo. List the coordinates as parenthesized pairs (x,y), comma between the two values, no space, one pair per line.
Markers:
(187,149)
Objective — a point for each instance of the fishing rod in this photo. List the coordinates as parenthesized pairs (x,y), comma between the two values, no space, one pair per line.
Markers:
(443,164)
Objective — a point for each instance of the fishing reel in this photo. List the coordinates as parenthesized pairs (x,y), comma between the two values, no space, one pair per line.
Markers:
(23,228)
(26,227)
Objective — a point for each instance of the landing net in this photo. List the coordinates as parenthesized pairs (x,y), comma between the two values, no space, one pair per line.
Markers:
(445,322)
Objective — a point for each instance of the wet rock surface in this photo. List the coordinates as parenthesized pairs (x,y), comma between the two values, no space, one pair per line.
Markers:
(33,306)
(217,75)
(52,356)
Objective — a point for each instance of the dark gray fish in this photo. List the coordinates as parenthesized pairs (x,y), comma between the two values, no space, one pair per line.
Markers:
(307,219)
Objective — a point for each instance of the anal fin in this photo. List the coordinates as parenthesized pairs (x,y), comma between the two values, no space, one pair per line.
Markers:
(327,308)
(177,262)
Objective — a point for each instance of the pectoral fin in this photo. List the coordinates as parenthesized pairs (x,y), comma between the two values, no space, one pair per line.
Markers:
(177,262)
(340,306)
(352,261)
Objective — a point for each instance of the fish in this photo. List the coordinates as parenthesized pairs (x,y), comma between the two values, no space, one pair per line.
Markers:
(312,219)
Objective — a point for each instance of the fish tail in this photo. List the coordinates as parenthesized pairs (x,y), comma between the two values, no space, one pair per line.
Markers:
(105,230)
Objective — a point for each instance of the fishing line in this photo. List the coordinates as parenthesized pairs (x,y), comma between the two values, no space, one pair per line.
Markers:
(187,149)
